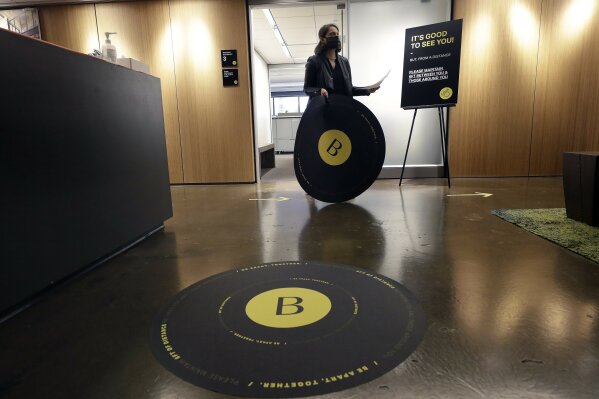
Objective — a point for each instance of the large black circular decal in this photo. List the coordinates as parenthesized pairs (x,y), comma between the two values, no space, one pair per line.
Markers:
(339,149)
(287,329)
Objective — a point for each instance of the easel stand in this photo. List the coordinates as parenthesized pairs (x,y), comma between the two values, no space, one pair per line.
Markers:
(444,145)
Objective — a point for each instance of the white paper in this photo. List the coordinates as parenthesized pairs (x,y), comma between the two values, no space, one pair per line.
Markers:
(378,84)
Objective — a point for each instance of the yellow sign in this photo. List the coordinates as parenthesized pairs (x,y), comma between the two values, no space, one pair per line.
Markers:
(334,147)
(446,93)
(288,307)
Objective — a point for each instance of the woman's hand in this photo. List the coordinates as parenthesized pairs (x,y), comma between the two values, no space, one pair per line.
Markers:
(323,92)
(373,89)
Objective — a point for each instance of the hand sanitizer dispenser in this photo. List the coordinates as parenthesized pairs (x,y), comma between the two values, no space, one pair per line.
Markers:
(108,49)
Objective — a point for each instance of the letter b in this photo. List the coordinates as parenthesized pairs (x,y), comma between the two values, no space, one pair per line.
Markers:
(281,304)
(334,148)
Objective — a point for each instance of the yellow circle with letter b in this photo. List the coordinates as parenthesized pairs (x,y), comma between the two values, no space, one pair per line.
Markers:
(334,147)
(446,93)
(288,307)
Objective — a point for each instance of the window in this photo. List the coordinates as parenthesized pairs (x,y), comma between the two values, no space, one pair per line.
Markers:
(292,104)
(303,102)
(285,105)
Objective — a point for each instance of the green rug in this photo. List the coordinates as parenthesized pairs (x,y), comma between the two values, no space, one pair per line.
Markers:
(553,225)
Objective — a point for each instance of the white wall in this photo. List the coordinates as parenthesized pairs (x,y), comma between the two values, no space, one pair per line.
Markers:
(261,92)
(376,44)
(3,22)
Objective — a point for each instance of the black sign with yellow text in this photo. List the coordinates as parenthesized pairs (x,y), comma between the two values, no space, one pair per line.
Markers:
(230,77)
(287,329)
(431,68)
(228,58)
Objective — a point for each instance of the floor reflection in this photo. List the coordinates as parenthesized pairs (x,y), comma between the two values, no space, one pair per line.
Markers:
(342,233)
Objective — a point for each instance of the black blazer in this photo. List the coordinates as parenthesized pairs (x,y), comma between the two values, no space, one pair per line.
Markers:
(319,75)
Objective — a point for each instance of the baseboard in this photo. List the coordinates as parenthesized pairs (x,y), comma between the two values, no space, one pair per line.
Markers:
(412,171)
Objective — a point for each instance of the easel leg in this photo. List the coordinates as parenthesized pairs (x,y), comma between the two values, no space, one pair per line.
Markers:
(408,147)
(442,139)
(446,134)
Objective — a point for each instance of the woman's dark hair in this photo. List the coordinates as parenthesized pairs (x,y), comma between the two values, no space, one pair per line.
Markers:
(322,33)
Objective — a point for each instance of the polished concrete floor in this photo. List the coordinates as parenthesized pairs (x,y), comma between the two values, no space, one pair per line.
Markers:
(510,314)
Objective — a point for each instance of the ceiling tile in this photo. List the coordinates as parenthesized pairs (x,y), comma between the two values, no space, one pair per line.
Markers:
(303,52)
(270,49)
(299,22)
(274,55)
(292,12)
(259,23)
(326,10)
(321,20)
(298,36)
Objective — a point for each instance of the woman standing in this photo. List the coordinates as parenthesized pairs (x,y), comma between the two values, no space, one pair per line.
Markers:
(327,72)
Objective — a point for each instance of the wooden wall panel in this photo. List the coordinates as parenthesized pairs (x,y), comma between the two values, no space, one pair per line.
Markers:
(567,102)
(490,128)
(144,33)
(73,27)
(216,125)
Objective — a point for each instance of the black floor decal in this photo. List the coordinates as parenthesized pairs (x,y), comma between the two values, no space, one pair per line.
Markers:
(288,329)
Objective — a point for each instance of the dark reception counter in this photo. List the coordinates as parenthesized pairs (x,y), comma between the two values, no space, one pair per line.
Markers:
(83,166)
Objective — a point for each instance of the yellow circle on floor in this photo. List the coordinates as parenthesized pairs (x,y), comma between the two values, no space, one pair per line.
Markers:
(288,307)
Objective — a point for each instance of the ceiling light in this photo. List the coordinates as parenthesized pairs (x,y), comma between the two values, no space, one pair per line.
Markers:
(279,37)
(286,51)
(269,17)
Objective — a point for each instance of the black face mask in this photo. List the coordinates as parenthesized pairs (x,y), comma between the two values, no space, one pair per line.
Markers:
(333,42)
